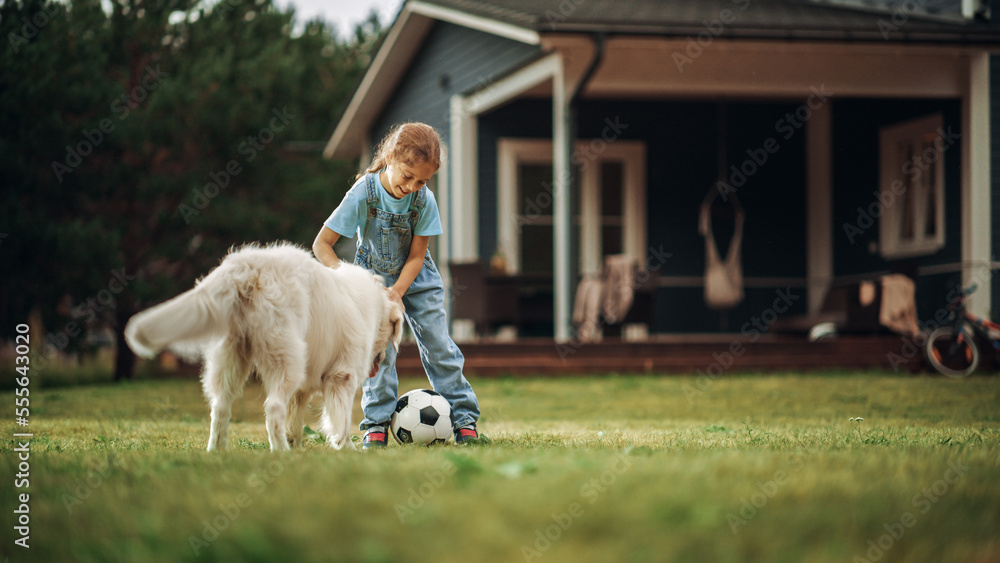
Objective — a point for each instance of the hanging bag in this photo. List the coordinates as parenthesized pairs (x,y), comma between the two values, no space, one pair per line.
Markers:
(723,278)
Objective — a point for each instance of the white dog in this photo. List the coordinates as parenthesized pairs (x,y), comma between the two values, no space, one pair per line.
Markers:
(302,327)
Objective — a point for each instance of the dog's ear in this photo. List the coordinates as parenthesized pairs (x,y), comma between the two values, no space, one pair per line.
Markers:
(396,318)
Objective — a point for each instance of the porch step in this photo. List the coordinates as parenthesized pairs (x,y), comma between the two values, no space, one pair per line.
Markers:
(710,354)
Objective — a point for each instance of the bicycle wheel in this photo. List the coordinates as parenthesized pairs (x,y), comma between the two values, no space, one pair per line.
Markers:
(950,357)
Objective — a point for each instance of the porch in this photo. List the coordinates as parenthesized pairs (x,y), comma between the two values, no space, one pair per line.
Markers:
(714,355)
(602,132)
(802,146)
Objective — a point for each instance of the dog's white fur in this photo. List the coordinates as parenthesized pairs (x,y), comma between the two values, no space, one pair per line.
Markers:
(303,327)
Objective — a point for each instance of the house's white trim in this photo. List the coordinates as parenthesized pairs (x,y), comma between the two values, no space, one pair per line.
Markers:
(969,8)
(976,221)
(590,219)
(917,177)
(514,151)
(516,83)
(443,194)
(819,206)
(511,152)
(463,189)
(465,111)
(463,183)
(562,209)
(507,224)
(486,25)
(636,243)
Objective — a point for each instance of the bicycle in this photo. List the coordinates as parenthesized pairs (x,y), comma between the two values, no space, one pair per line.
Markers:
(951,349)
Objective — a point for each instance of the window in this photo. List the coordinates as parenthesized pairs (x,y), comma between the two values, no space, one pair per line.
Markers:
(911,189)
(609,215)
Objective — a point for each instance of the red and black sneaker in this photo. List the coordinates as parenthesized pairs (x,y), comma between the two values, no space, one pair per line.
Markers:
(375,437)
(467,434)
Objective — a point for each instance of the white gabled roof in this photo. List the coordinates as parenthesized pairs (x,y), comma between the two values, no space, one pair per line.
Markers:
(394,55)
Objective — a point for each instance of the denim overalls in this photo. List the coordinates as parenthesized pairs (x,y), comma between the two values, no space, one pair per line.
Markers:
(383,250)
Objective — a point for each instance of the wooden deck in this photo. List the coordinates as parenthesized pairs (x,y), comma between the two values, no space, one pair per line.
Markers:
(713,355)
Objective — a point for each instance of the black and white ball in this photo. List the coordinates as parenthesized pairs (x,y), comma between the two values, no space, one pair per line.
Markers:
(422,416)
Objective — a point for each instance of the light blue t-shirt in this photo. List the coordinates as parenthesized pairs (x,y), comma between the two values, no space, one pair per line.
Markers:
(348,218)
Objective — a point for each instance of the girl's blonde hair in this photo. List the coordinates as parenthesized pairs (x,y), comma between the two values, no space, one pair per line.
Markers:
(410,143)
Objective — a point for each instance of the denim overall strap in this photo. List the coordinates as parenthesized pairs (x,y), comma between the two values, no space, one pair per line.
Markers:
(416,207)
(371,198)
(384,243)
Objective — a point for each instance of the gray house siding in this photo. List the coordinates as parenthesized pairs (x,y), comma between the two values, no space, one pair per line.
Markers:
(452,60)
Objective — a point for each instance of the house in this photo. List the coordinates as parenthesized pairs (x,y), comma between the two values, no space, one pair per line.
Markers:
(859,138)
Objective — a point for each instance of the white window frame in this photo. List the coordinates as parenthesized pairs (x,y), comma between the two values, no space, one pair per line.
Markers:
(512,152)
(897,176)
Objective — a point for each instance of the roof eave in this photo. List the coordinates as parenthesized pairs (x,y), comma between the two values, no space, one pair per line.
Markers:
(964,37)
(407,32)
(392,56)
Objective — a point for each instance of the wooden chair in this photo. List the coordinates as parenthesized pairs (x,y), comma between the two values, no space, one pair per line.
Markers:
(474,296)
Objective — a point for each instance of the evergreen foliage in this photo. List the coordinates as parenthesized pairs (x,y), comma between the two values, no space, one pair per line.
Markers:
(139,140)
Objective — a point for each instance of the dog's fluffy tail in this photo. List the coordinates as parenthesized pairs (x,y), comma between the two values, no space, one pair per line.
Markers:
(183,324)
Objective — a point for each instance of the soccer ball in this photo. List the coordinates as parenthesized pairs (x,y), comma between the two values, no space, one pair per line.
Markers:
(422,416)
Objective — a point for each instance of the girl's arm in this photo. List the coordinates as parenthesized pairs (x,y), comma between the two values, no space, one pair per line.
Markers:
(415,261)
(323,248)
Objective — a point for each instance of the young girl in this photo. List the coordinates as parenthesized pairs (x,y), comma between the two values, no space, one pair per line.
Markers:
(394,215)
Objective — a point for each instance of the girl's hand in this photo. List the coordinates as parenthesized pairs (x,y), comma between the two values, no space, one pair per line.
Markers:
(394,295)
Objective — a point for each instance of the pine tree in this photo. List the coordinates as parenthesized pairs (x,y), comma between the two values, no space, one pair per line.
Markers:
(138,145)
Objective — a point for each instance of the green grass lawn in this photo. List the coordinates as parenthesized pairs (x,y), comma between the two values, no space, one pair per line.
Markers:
(744,468)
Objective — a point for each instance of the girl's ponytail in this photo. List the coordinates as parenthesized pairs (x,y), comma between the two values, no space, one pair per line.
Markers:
(411,143)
